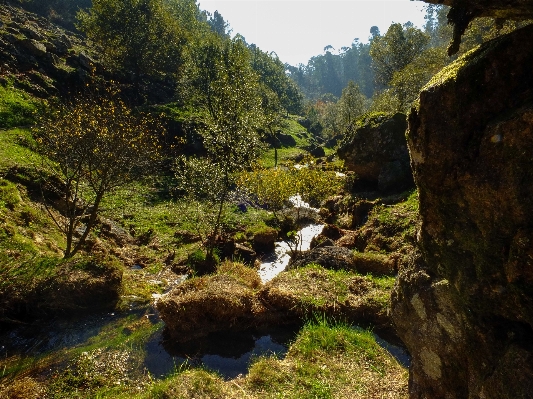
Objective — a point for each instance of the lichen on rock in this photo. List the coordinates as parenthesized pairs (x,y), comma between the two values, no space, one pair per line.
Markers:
(466,297)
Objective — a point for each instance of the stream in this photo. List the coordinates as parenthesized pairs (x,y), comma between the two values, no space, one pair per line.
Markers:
(276,262)
(228,354)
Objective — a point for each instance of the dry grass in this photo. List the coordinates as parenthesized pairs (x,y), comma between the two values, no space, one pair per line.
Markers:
(314,290)
(207,304)
(244,273)
(24,388)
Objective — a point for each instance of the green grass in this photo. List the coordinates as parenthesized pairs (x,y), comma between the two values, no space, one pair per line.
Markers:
(393,226)
(16,149)
(267,160)
(328,360)
(17,108)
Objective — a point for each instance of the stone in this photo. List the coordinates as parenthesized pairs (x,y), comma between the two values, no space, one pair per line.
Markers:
(348,240)
(265,239)
(321,241)
(286,140)
(333,258)
(377,152)
(31,32)
(318,152)
(374,263)
(463,304)
(86,62)
(34,47)
(244,253)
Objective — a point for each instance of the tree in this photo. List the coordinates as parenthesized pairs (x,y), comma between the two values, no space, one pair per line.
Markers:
(407,83)
(351,104)
(219,25)
(272,74)
(393,51)
(230,116)
(137,36)
(94,144)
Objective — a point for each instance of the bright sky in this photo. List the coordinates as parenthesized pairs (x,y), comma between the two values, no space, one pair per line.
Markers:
(300,29)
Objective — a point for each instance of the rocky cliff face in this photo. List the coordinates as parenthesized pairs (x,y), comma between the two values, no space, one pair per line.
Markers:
(464,304)
(377,152)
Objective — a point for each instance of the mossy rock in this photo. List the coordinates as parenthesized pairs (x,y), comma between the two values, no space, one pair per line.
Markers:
(341,295)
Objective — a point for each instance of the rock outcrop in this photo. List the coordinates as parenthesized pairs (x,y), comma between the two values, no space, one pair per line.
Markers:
(377,152)
(40,57)
(464,304)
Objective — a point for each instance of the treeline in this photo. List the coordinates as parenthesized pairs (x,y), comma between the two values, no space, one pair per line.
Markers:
(387,73)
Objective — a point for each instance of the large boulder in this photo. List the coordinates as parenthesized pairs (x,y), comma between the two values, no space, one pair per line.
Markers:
(377,152)
(511,9)
(464,304)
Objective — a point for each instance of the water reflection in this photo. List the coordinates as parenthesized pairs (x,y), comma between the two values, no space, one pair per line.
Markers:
(230,354)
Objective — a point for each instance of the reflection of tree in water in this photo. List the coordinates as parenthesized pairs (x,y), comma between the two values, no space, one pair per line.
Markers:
(229,353)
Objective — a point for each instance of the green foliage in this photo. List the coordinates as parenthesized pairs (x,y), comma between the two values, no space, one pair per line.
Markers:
(94,145)
(393,51)
(274,187)
(139,36)
(9,195)
(16,149)
(329,73)
(271,73)
(227,93)
(351,104)
(16,107)
(407,83)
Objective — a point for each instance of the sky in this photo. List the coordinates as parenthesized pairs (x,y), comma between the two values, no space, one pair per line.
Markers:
(300,29)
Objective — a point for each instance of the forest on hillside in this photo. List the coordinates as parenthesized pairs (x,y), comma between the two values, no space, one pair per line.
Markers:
(386,73)
(169,44)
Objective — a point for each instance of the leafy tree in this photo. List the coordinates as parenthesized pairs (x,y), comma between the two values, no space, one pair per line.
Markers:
(219,25)
(272,74)
(94,145)
(393,51)
(189,16)
(407,83)
(351,104)
(230,116)
(138,36)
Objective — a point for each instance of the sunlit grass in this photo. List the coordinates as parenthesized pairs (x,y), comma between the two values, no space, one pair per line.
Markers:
(15,149)
(17,108)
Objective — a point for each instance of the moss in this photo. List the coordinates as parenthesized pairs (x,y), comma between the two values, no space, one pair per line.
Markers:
(372,119)
(451,71)
(9,195)
(312,290)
